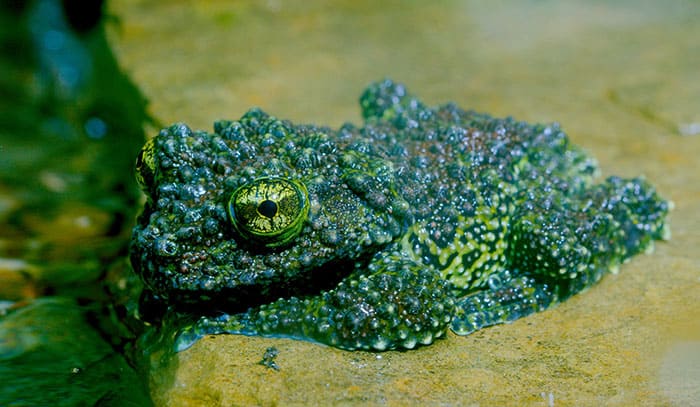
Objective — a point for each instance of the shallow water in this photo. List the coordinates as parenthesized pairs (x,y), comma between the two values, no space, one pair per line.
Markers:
(621,77)
(70,125)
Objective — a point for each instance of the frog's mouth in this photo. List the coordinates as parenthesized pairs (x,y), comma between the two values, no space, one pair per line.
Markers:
(234,299)
(273,237)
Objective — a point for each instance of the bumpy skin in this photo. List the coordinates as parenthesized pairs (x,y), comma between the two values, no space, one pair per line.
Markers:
(422,219)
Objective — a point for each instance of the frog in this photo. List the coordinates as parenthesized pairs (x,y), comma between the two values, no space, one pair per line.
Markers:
(383,235)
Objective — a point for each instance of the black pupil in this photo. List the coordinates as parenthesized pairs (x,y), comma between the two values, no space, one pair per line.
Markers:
(267,208)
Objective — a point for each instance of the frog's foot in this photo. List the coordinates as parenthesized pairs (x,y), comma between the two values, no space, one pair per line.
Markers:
(506,299)
(220,324)
(397,304)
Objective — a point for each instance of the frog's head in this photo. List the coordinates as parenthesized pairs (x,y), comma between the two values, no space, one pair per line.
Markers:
(261,208)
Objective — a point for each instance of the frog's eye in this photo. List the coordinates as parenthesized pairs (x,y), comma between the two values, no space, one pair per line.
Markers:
(145,165)
(270,210)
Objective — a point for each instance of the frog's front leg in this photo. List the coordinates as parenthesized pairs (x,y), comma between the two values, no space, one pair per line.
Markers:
(562,245)
(394,303)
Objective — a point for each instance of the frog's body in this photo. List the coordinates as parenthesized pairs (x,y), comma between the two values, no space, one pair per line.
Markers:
(382,236)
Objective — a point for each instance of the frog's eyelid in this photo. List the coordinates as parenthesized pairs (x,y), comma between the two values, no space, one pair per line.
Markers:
(144,167)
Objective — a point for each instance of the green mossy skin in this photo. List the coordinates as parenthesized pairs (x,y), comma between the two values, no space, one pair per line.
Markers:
(422,219)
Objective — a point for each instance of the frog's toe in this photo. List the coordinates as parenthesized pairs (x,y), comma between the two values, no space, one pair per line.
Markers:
(507,299)
(213,325)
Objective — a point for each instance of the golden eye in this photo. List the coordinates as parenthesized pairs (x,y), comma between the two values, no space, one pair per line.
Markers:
(269,210)
(145,165)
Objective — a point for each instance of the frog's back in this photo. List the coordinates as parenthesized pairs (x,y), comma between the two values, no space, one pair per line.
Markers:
(463,173)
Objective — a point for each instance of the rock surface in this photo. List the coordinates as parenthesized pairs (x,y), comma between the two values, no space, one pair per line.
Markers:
(621,77)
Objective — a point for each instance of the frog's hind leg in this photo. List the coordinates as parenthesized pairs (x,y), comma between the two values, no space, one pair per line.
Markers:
(394,303)
(562,245)
(573,241)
